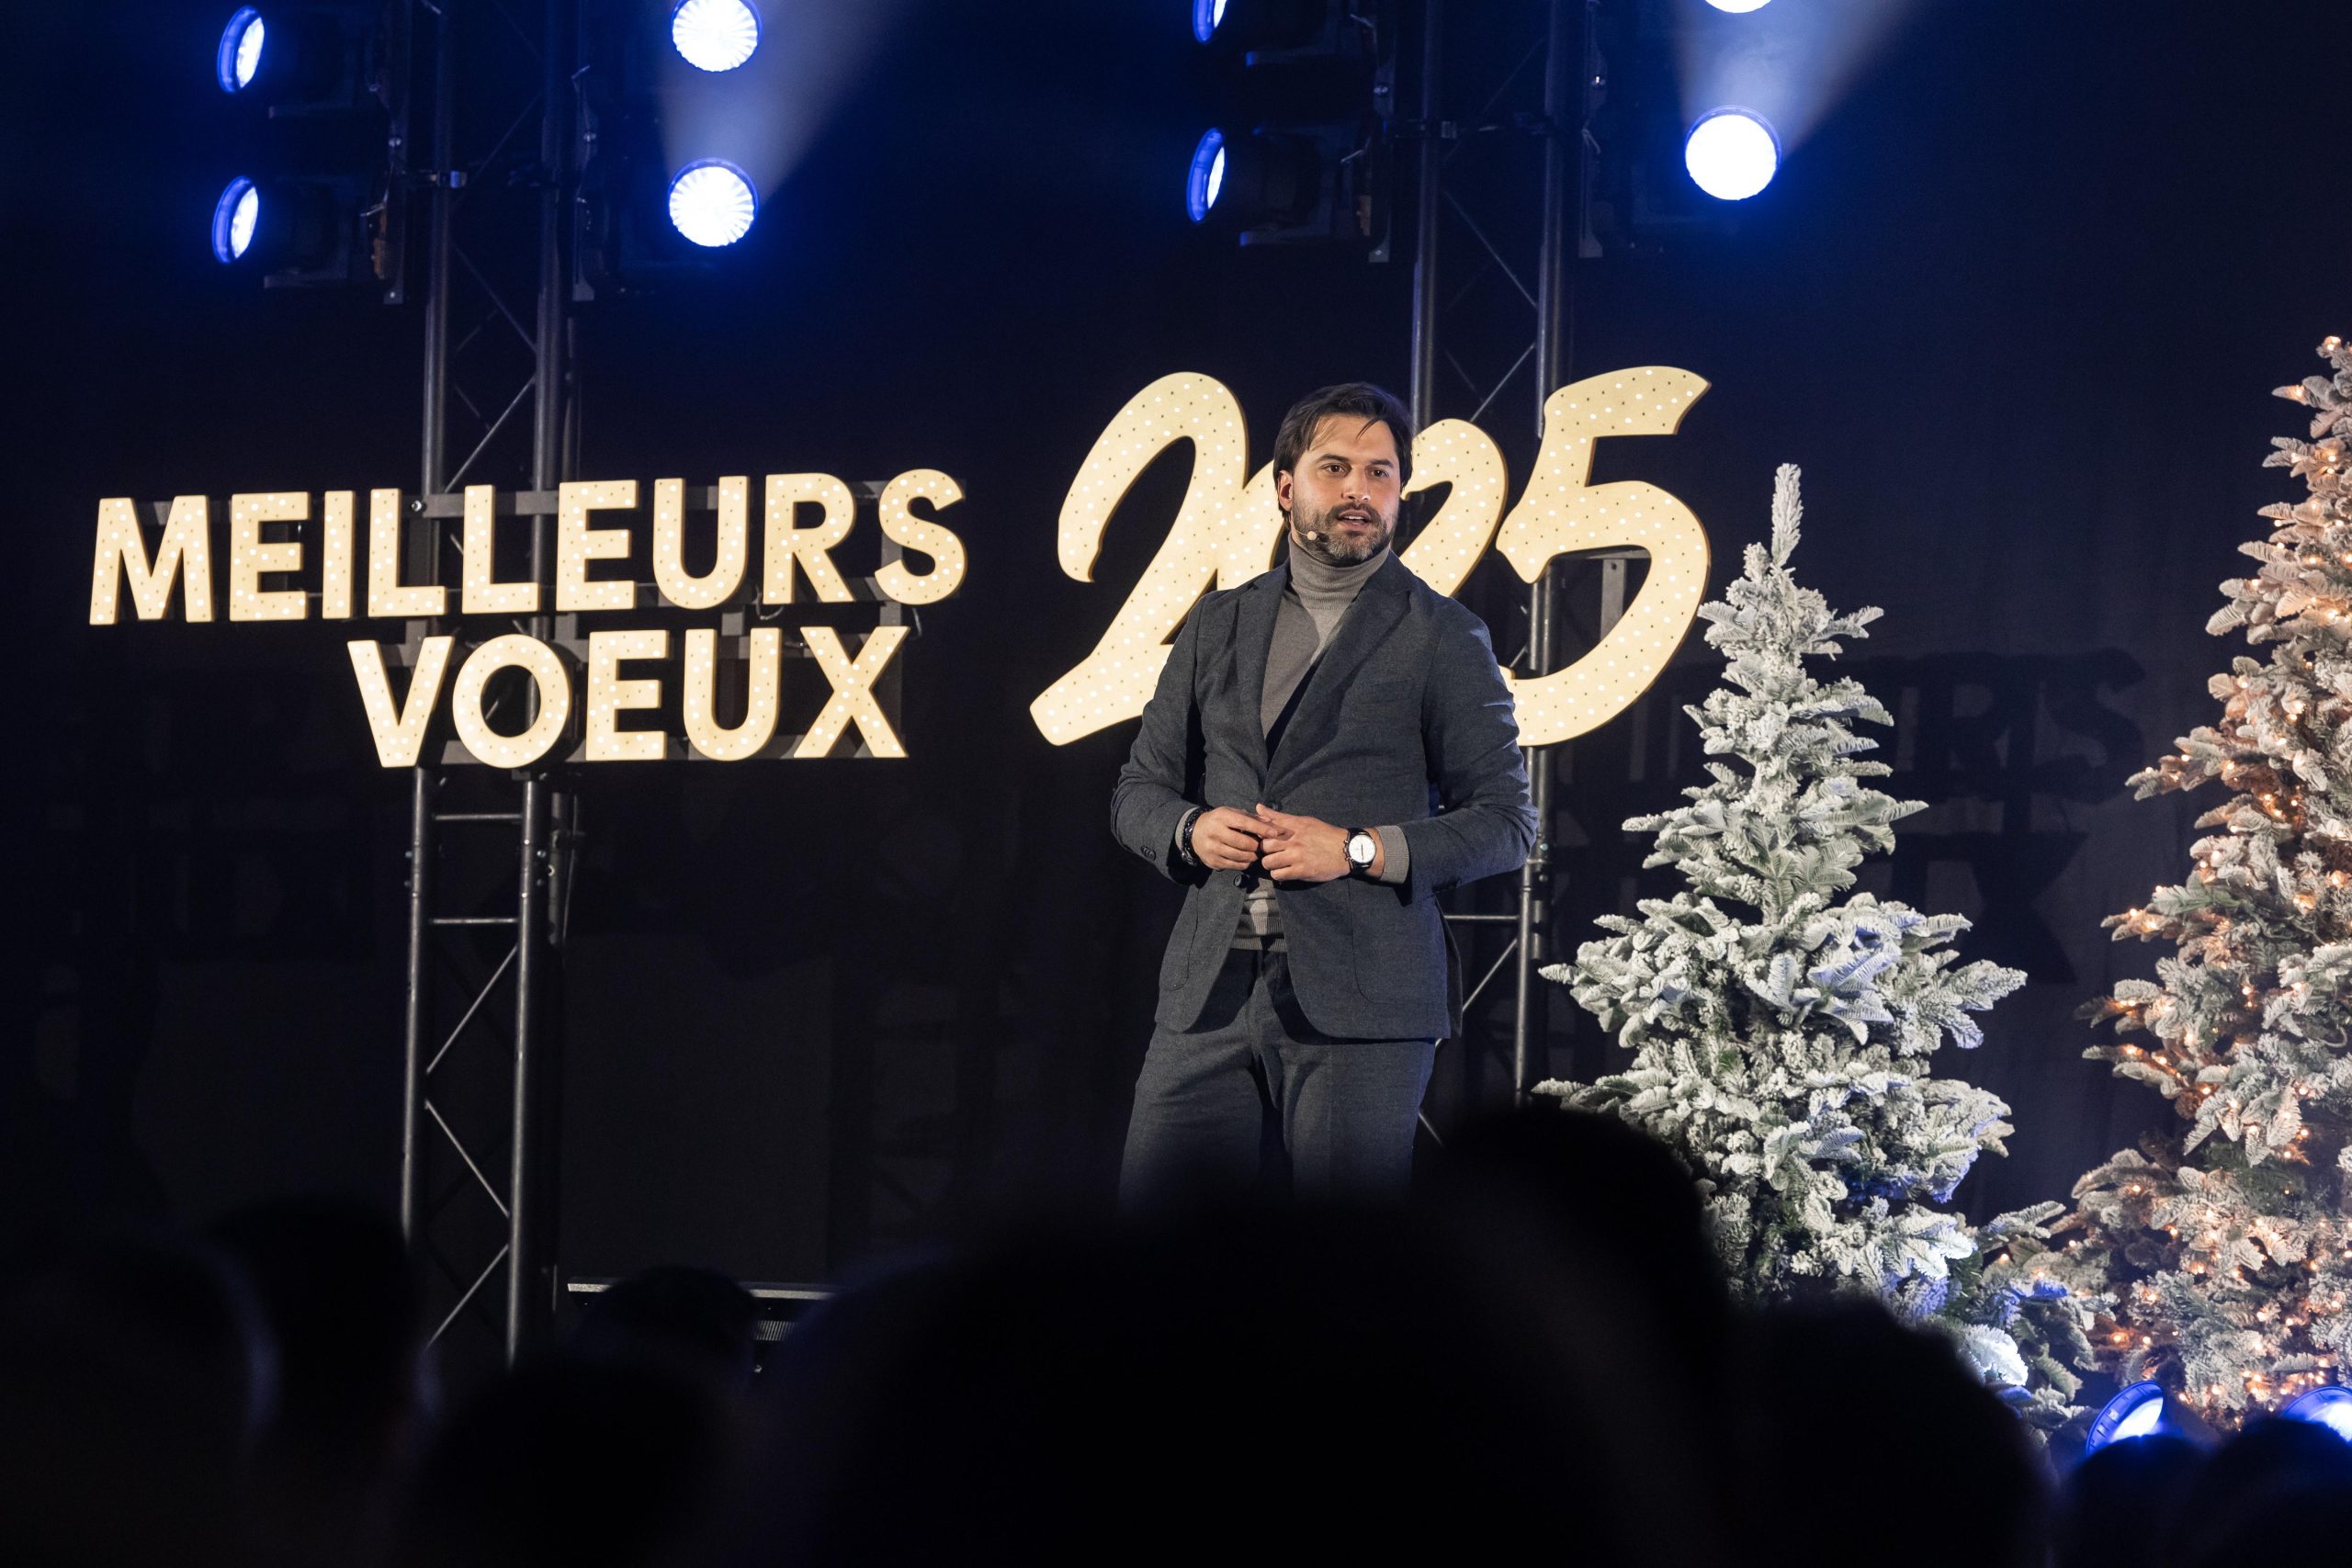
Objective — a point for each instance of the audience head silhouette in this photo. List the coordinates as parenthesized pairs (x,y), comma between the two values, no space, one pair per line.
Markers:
(134,1375)
(344,1307)
(695,1320)
(569,1460)
(1540,1340)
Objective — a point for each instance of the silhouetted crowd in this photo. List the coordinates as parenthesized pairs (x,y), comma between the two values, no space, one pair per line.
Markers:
(1534,1359)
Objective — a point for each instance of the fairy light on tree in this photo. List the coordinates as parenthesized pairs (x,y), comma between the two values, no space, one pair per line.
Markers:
(2224,1246)
(1782,1025)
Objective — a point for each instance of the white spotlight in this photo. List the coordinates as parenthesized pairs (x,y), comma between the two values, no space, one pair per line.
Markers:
(2136,1412)
(1205,182)
(715,35)
(1739,4)
(234,217)
(713,202)
(239,56)
(1732,154)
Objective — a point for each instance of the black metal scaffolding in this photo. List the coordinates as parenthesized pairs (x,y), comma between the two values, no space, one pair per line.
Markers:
(1500,132)
(487,850)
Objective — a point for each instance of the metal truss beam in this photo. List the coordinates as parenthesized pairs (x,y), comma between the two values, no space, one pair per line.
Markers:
(1466,174)
(477,1113)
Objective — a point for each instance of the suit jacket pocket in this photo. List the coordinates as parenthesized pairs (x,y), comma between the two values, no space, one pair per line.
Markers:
(1176,963)
(1393,951)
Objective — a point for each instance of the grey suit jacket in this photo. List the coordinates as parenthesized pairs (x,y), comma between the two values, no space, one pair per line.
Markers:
(1404,720)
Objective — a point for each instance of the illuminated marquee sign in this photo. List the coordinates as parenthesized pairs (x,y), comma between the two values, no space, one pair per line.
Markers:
(795,566)
(1227,530)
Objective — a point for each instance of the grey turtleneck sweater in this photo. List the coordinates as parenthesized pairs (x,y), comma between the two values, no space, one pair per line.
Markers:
(1312,608)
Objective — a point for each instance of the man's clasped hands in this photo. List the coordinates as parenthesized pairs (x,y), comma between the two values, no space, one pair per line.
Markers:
(1287,848)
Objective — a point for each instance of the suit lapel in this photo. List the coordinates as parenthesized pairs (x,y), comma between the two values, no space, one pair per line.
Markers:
(1378,608)
(1253,638)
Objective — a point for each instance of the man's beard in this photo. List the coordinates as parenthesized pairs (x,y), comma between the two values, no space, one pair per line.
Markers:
(1333,546)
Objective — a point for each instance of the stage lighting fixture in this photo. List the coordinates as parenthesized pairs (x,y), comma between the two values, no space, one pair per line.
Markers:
(2137,1412)
(233,219)
(298,233)
(1269,184)
(649,216)
(712,202)
(240,54)
(1206,182)
(1732,154)
(1270,30)
(715,35)
(2330,1408)
(1302,154)
(337,71)
(1739,6)
(328,58)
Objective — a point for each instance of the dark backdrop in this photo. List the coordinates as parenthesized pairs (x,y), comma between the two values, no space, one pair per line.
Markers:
(2016,307)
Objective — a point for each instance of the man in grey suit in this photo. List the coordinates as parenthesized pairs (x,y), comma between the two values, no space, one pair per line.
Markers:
(1330,746)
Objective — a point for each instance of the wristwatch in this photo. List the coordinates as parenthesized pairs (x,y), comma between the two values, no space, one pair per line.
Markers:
(1362,850)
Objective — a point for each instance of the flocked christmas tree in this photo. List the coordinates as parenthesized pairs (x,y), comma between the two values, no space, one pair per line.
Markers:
(2227,1243)
(1781,1023)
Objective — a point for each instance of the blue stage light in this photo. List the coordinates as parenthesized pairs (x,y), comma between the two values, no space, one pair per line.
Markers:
(712,202)
(234,217)
(1206,181)
(1732,154)
(1207,15)
(240,54)
(2137,1412)
(2330,1408)
(715,35)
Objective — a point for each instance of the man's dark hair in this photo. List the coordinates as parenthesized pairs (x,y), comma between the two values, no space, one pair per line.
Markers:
(1361,398)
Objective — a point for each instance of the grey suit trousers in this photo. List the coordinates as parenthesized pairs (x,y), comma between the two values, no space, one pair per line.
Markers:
(1251,1085)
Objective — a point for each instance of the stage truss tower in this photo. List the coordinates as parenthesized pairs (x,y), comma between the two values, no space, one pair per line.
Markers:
(1501,153)
(489,851)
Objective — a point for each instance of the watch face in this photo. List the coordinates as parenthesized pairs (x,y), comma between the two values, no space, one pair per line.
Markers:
(1360,848)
